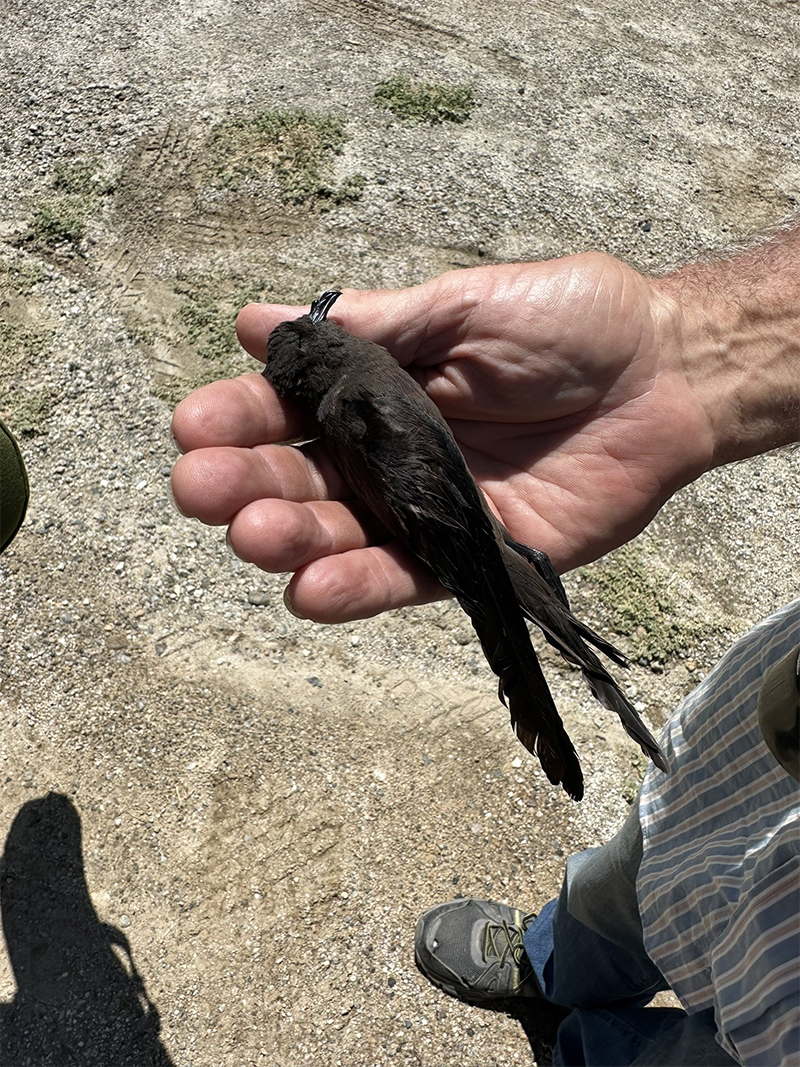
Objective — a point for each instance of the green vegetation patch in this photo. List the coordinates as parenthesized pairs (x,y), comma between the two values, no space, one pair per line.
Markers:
(82,178)
(25,345)
(297,146)
(60,220)
(208,313)
(24,407)
(18,278)
(205,322)
(639,605)
(425,102)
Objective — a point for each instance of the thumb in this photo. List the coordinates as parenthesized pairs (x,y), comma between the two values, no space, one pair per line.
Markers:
(402,320)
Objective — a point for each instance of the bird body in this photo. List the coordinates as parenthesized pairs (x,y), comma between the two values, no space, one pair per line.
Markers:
(390,443)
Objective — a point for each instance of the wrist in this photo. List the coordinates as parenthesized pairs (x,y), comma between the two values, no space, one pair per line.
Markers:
(735,325)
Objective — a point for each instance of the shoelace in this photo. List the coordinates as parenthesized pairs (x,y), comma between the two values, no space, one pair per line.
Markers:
(512,934)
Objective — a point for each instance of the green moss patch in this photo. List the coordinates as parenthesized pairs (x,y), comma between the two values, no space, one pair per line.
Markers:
(83,178)
(25,344)
(638,604)
(18,278)
(204,321)
(425,102)
(24,408)
(60,220)
(297,146)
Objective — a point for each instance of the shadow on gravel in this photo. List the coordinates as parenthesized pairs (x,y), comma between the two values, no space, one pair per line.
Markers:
(80,1001)
(539,1020)
(540,1023)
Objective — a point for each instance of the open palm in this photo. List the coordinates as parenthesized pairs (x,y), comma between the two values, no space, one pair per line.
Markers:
(563,383)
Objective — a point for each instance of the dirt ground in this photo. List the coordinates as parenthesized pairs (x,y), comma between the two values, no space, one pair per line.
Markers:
(220,823)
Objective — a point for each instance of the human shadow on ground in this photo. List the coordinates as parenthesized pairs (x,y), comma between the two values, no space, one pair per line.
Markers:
(80,1000)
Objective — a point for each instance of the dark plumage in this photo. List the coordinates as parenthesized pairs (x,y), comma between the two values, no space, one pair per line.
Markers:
(390,443)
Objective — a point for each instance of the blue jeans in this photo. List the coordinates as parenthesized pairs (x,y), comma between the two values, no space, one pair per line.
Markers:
(608,980)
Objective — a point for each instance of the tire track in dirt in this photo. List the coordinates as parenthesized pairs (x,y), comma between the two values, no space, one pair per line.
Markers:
(391,22)
(172,221)
(168,196)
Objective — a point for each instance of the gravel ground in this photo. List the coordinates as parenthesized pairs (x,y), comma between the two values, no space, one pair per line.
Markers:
(221,823)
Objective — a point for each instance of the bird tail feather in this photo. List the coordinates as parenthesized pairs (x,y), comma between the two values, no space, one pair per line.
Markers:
(569,635)
(524,690)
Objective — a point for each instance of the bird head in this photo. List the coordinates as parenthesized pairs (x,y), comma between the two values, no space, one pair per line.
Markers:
(305,355)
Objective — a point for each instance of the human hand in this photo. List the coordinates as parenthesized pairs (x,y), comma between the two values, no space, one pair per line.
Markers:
(567,387)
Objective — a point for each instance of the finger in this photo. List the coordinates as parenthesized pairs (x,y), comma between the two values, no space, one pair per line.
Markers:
(281,535)
(381,315)
(242,411)
(255,322)
(402,320)
(361,583)
(213,484)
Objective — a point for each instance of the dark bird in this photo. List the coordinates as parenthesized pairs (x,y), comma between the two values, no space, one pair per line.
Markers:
(391,445)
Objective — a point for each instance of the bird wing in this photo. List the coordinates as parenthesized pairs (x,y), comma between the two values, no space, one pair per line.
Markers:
(569,636)
(399,456)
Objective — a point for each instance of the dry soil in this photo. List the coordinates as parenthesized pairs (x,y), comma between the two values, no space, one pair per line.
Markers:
(221,823)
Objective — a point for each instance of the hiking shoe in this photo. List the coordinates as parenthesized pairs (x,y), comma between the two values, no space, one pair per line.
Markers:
(472,949)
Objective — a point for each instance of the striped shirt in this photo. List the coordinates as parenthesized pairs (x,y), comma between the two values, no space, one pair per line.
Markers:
(719,882)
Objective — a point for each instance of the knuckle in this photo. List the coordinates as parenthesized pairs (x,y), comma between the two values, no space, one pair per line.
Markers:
(334,592)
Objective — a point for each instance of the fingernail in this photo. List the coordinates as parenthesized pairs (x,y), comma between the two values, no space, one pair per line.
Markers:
(290,606)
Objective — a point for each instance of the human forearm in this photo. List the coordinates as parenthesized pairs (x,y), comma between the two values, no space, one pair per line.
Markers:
(737,321)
